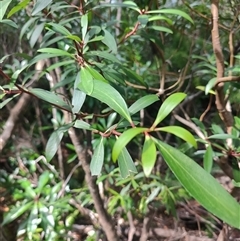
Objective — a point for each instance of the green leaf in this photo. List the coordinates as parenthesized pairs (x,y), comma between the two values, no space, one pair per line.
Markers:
(58,28)
(126,164)
(36,33)
(210,85)
(57,52)
(173,11)
(50,98)
(95,74)
(3,6)
(18,7)
(111,97)
(9,22)
(180,132)
(43,180)
(125,4)
(16,212)
(86,81)
(53,144)
(40,5)
(142,103)
(33,221)
(124,139)
(160,28)
(97,159)
(109,41)
(143,19)
(208,159)
(3,103)
(201,185)
(84,25)
(168,105)
(149,155)
(221,136)
(82,125)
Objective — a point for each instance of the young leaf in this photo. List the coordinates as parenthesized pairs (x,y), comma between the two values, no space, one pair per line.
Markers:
(18,7)
(124,139)
(149,155)
(43,180)
(208,159)
(108,95)
(142,103)
(210,85)
(97,159)
(180,132)
(40,5)
(201,185)
(50,98)
(126,164)
(168,105)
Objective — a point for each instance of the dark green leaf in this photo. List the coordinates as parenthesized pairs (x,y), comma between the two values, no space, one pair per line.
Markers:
(97,159)
(124,139)
(201,185)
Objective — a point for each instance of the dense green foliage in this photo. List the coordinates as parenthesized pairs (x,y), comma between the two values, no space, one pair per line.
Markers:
(120,95)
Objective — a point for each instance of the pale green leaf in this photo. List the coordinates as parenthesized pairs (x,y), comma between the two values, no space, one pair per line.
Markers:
(9,22)
(86,81)
(149,155)
(97,159)
(168,105)
(172,11)
(109,41)
(142,103)
(124,139)
(82,125)
(50,97)
(40,5)
(57,52)
(84,25)
(3,7)
(210,85)
(208,159)
(180,132)
(126,164)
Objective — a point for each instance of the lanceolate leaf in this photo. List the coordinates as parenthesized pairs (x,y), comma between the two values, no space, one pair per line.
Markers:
(84,25)
(86,80)
(111,97)
(173,11)
(17,212)
(142,103)
(149,155)
(59,52)
(168,105)
(180,132)
(124,139)
(126,164)
(97,159)
(201,185)
(40,5)
(3,7)
(50,98)
(53,144)
(208,159)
